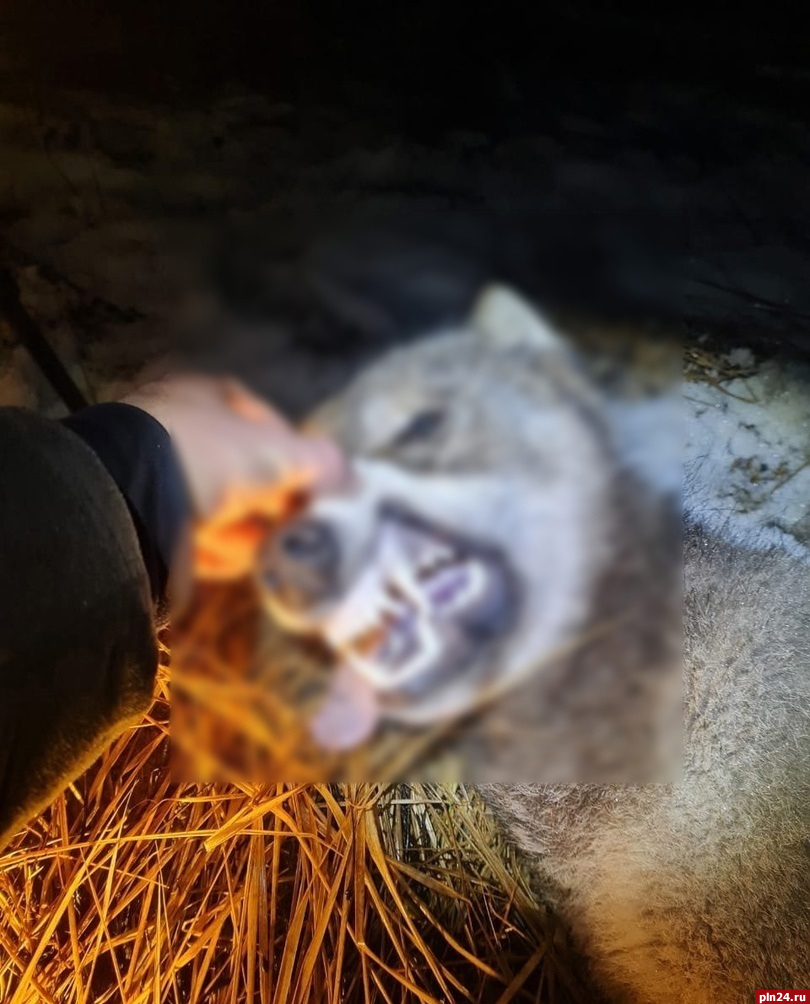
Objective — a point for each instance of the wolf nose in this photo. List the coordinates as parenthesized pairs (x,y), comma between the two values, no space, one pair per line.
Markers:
(308,541)
(302,562)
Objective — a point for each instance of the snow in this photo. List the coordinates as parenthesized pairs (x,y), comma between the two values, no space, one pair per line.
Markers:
(737,451)
(747,452)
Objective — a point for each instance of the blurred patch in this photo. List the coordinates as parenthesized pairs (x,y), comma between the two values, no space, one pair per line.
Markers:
(494,597)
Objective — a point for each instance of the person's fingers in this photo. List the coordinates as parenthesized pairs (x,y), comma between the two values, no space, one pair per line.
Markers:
(241,457)
(211,566)
(268,500)
(247,405)
(321,458)
(286,450)
(230,552)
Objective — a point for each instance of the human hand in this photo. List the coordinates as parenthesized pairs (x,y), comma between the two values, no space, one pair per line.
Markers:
(243,464)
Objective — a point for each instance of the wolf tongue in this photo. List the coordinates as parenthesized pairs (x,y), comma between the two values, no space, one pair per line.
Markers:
(350,713)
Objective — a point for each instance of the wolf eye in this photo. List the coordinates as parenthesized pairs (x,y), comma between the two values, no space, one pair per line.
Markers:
(422,425)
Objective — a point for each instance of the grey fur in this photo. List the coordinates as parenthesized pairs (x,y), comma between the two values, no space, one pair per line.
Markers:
(523,425)
(700,891)
(692,891)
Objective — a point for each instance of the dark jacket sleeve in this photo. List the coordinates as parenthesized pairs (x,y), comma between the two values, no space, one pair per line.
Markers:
(78,651)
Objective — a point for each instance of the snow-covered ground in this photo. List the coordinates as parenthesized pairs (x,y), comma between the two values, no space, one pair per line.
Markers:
(737,449)
(747,450)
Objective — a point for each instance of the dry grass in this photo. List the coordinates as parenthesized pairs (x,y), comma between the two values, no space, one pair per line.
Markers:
(132,887)
(712,366)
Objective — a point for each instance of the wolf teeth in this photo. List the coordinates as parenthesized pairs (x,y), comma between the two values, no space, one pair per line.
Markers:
(393,598)
(473,589)
(434,557)
(384,679)
(358,614)
(396,589)
(406,582)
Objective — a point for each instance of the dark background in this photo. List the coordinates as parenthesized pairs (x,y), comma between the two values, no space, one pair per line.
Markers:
(491,65)
(718,96)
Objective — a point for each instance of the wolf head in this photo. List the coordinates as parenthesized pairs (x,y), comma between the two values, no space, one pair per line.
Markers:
(463,553)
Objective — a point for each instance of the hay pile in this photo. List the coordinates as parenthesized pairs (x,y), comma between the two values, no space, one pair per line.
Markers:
(132,887)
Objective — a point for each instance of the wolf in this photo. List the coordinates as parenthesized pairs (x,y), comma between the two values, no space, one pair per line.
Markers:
(493,552)
(489,525)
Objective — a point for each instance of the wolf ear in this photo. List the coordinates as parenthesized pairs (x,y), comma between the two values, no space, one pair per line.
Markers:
(505,321)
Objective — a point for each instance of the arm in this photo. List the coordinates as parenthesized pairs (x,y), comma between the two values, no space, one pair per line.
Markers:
(92,519)
(78,652)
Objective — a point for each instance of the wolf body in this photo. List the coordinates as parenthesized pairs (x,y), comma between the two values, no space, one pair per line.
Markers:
(485,463)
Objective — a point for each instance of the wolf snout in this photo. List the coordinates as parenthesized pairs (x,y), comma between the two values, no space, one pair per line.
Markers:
(301,563)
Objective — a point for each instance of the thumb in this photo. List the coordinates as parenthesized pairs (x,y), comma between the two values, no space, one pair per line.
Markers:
(320,459)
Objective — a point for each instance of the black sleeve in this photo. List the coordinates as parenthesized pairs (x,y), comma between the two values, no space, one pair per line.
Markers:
(78,652)
(138,454)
